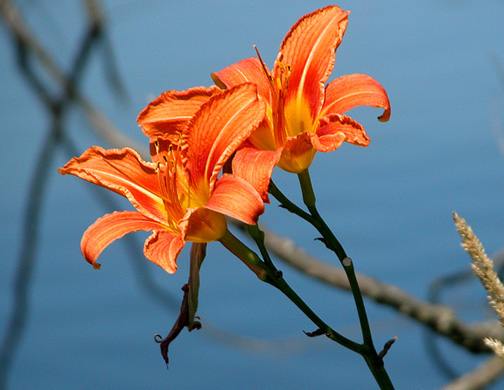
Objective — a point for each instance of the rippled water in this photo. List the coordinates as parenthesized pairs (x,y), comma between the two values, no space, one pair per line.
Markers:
(390,204)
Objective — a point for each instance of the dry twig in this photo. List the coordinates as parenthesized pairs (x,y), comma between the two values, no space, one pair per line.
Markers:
(439,318)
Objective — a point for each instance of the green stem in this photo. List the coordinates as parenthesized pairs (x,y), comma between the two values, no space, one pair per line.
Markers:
(375,364)
(368,352)
(332,243)
(249,258)
(287,204)
(258,236)
(275,278)
(307,189)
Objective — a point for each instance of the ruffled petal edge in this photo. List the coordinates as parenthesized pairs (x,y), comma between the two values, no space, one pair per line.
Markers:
(169,113)
(163,249)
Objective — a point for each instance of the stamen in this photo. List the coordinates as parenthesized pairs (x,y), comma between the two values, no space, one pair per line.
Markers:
(285,73)
(263,65)
(277,96)
(172,166)
(287,77)
(166,169)
(279,83)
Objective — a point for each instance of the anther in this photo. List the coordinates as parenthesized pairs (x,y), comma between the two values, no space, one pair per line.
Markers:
(172,165)
(287,77)
(279,83)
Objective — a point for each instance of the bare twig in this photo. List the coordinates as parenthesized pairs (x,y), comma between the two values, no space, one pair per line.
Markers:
(27,48)
(482,376)
(99,122)
(439,318)
(31,49)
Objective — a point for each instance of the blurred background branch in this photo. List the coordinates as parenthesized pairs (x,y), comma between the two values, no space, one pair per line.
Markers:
(440,319)
(31,52)
(22,35)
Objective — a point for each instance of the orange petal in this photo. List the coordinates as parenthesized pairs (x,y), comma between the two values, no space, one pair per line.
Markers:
(169,113)
(248,70)
(111,227)
(329,142)
(297,153)
(219,128)
(236,198)
(309,50)
(122,171)
(163,249)
(335,129)
(354,90)
(264,136)
(202,225)
(256,166)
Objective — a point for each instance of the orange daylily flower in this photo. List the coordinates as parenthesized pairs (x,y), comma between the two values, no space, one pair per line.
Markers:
(167,115)
(303,115)
(179,196)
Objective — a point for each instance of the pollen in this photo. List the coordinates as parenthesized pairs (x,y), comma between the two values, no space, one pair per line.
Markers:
(285,74)
(279,83)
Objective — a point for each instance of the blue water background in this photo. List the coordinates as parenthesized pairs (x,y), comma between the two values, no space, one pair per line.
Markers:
(390,204)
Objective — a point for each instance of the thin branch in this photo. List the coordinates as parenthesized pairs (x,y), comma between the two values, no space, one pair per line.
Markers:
(16,325)
(29,46)
(482,376)
(99,122)
(439,318)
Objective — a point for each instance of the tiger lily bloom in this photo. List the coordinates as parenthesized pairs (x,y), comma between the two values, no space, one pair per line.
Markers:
(167,115)
(179,196)
(303,114)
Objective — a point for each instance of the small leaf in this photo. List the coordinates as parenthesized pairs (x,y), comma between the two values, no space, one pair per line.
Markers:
(318,332)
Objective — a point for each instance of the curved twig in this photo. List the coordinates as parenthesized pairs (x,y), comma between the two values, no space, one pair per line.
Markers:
(482,376)
(439,318)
